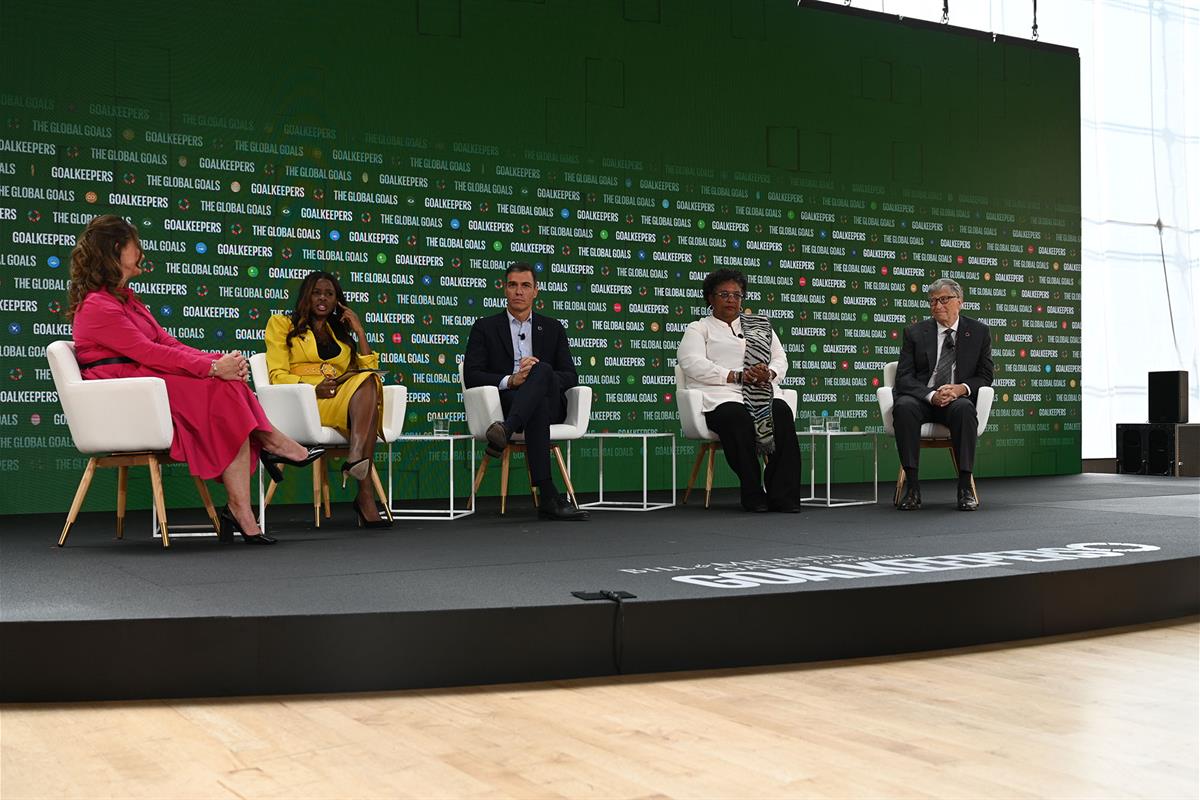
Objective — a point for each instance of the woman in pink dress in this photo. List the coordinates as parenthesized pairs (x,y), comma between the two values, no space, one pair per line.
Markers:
(220,429)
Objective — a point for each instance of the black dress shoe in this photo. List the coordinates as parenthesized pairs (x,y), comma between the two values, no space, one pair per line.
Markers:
(785,508)
(756,505)
(497,439)
(561,508)
(363,522)
(967,500)
(230,526)
(271,461)
(911,500)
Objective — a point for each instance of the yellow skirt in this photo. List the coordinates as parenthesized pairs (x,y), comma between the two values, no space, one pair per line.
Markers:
(335,411)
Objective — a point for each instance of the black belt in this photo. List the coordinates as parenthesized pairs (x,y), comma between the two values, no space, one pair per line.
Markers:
(103,361)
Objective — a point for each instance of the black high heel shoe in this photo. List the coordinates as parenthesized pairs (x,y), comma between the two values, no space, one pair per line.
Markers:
(271,461)
(363,522)
(359,470)
(229,526)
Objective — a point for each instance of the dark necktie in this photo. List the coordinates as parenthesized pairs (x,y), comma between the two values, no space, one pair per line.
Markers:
(945,364)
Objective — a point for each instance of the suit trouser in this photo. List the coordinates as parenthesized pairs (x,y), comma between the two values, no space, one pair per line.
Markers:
(910,413)
(731,421)
(532,408)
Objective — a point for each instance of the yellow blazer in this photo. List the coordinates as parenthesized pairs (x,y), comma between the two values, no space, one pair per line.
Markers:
(285,361)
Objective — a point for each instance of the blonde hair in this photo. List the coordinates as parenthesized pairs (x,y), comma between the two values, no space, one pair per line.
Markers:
(96,259)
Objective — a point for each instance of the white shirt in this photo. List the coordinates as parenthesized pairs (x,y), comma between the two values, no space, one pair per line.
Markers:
(710,350)
(941,340)
(522,342)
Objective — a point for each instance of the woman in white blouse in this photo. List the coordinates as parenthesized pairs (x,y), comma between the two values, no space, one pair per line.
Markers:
(736,361)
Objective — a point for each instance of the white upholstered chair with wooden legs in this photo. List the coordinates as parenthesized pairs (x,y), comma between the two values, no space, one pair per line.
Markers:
(292,408)
(121,423)
(483,407)
(933,434)
(690,403)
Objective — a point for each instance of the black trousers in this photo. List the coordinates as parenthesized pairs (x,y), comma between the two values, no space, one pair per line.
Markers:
(910,413)
(532,408)
(732,422)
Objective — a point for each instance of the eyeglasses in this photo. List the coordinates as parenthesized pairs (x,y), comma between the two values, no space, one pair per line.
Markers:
(731,296)
(941,301)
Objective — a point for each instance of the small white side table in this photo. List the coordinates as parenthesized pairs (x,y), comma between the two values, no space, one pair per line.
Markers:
(454,511)
(632,505)
(829,501)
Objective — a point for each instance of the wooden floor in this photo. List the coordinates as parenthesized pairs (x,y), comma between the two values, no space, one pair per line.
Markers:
(1106,715)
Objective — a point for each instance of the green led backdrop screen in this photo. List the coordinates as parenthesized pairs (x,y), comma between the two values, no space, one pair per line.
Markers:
(625,148)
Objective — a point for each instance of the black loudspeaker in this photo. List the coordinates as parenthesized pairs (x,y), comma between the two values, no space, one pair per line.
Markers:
(1158,449)
(1168,396)
(1131,449)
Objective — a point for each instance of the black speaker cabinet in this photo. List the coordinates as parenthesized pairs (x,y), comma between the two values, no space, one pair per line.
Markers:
(1158,449)
(1168,396)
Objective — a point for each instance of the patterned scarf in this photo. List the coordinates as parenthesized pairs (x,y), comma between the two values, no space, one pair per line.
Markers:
(757,331)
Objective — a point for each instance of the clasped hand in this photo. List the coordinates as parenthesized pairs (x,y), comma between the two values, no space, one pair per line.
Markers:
(522,373)
(945,395)
(759,374)
(232,366)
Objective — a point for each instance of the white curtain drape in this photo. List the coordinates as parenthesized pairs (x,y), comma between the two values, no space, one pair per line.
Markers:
(1140,199)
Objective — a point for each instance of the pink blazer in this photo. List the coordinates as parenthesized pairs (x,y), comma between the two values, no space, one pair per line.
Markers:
(104,327)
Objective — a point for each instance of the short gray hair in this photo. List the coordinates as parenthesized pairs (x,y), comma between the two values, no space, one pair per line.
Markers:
(945,283)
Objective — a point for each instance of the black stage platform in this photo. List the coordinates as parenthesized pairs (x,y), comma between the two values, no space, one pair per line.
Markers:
(489,598)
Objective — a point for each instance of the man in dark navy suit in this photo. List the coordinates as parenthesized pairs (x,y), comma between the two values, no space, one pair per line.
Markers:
(527,357)
(944,362)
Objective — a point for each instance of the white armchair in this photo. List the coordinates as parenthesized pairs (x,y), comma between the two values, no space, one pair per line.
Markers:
(126,419)
(933,434)
(292,408)
(691,419)
(482,405)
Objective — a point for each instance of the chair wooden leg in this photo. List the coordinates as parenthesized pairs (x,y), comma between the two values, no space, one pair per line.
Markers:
(206,498)
(271,487)
(695,471)
(85,482)
(479,473)
(504,463)
(325,492)
(380,493)
(122,497)
(708,478)
(202,488)
(318,468)
(160,502)
(900,481)
(533,490)
(566,476)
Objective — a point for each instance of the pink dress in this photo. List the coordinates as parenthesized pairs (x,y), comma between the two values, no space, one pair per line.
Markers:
(212,417)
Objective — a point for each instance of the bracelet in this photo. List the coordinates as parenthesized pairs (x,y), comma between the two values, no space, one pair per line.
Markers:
(212,370)
(737,377)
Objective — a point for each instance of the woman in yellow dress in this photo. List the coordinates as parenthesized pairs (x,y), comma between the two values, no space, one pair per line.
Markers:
(322,341)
